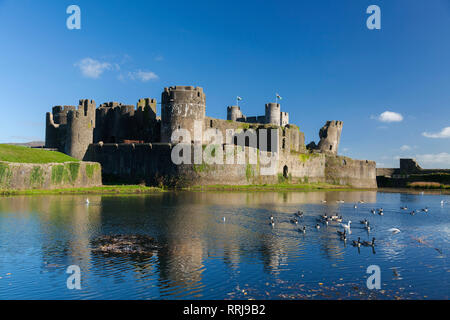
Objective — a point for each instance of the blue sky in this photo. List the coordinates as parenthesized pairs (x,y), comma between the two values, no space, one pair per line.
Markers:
(318,55)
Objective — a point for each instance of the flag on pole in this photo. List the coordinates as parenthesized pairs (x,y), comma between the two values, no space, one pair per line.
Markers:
(238,98)
(278,97)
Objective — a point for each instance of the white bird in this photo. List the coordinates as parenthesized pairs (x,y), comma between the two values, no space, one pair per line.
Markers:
(87,201)
(346,226)
(224,219)
(394,230)
(442,202)
(324,201)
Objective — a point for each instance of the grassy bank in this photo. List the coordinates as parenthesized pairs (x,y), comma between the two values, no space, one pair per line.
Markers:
(22,154)
(274,187)
(122,189)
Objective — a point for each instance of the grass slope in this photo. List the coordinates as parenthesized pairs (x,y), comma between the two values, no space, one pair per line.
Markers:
(21,154)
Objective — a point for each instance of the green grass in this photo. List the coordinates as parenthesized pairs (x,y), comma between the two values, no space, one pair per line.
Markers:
(273,187)
(122,189)
(22,154)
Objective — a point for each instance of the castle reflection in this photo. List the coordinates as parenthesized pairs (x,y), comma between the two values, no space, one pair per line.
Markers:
(189,226)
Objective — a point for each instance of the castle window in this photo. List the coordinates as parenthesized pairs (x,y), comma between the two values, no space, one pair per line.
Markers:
(284,143)
(331,147)
(211,124)
(285,172)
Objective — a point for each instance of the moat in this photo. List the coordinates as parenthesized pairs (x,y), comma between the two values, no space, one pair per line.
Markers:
(201,255)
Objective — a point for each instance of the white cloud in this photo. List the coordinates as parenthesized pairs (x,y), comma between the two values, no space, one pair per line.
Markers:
(389,116)
(438,160)
(445,133)
(91,68)
(143,76)
(405,147)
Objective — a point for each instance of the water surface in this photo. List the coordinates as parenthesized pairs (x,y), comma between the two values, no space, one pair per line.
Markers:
(203,257)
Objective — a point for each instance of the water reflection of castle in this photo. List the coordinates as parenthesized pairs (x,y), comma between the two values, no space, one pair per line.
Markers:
(186,224)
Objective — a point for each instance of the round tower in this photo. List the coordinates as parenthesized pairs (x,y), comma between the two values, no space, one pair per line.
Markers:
(273,113)
(234,113)
(80,129)
(181,106)
(330,136)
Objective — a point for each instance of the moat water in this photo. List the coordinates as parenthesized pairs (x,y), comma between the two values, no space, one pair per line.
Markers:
(244,257)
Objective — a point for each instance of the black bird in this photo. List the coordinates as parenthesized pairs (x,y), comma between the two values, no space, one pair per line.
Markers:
(357,243)
(368,243)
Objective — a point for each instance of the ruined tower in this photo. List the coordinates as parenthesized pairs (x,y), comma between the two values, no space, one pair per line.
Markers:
(55,128)
(330,135)
(181,106)
(80,129)
(273,113)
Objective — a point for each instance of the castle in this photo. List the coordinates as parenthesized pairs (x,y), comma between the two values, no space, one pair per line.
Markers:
(134,145)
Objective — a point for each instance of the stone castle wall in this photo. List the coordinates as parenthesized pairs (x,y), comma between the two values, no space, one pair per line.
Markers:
(152,164)
(24,176)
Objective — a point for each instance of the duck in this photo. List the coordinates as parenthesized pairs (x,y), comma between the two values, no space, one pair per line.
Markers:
(343,237)
(373,211)
(341,233)
(404,208)
(299,214)
(317,226)
(367,227)
(87,201)
(425,209)
(380,212)
(355,206)
(357,243)
(338,219)
(224,219)
(324,216)
(303,230)
(271,218)
(369,243)
(365,222)
(323,201)
(334,217)
(272,223)
(394,230)
(361,201)
(295,221)
(412,213)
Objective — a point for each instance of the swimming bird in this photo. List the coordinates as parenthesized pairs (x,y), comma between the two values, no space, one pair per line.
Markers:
(346,226)
(338,219)
(373,211)
(367,227)
(87,201)
(343,237)
(272,223)
(295,221)
(412,213)
(368,243)
(324,216)
(365,222)
(357,243)
(302,229)
(394,230)
(442,202)
(404,208)
(224,219)
(380,212)
(341,233)
(271,218)
(360,201)
(425,209)
(355,206)
(299,214)
(317,226)
(324,201)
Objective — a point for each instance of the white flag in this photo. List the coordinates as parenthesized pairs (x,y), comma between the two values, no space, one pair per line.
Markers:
(238,98)
(278,97)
